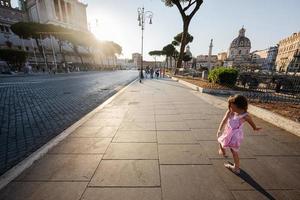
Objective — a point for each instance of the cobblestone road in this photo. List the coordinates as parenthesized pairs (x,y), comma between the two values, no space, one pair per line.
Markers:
(35,109)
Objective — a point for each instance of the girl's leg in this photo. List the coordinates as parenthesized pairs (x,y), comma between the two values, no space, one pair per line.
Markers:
(222,151)
(236,159)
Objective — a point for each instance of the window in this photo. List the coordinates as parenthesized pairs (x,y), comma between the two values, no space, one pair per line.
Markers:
(240,51)
(27,48)
(2,28)
(6,29)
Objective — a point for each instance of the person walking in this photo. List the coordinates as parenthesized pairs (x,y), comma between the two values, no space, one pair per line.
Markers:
(233,135)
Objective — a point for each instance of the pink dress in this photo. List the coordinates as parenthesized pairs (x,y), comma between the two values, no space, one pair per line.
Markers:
(233,133)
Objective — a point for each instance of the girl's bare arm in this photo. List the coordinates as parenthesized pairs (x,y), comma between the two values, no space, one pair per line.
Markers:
(224,120)
(248,119)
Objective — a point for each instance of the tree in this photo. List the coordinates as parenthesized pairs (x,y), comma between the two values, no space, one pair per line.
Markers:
(156,53)
(187,12)
(15,59)
(169,51)
(177,39)
(110,49)
(186,58)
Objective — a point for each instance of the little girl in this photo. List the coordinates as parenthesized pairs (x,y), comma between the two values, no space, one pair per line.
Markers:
(233,132)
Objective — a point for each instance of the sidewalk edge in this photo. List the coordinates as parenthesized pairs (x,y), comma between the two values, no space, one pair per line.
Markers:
(273,118)
(11,174)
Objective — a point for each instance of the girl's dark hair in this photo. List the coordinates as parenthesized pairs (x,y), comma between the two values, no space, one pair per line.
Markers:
(238,100)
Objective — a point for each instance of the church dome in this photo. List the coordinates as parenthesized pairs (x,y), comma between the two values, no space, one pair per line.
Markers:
(241,40)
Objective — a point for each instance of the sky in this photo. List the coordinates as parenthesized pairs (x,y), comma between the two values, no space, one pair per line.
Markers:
(266,22)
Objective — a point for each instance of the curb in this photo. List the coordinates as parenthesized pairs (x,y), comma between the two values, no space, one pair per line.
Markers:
(11,174)
(268,116)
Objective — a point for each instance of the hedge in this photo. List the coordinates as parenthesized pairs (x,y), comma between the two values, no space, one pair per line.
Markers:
(223,76)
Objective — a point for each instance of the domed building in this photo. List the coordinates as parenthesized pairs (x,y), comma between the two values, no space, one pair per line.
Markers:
(239,51)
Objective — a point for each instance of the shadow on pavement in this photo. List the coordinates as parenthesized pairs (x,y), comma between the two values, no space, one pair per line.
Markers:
(248,179)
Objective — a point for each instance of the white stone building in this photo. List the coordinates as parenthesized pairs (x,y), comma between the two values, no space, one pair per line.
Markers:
(239,51)
(66,13)
(288,58)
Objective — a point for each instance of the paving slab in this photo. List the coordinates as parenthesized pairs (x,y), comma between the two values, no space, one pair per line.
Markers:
(106,131)
(191,182)
(146,136)
(43,191)
(171,126)
(168,118)
(260,173)
(85,130)
(130,173)
(200,124)
(267,195)
(204,134)
(55,167)
(211,149)
(81,146)
(266,146)
(146,126)
(122,193)
(176,137)
(182,154)
(131,151)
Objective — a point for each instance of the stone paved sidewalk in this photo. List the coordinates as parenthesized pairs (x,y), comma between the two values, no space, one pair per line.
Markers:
(157,141)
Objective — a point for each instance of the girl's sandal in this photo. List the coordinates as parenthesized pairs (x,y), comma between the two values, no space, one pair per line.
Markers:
(232,168)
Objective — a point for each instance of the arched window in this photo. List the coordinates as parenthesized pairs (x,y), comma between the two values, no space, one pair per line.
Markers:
(240,51)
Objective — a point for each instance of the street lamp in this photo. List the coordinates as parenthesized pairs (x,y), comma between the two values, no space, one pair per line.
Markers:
(142,17)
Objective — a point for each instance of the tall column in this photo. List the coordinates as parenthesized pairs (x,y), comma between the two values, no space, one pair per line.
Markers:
(38,10)
(67,12)
(60,10)
(209,54)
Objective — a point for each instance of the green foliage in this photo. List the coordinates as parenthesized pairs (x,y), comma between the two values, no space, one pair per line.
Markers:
(14,58)
(178,37)
(156,53)
(186,57)
(110,48)
(223,76)
(169,50)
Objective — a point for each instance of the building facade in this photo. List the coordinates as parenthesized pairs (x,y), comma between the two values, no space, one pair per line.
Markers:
(9,16)
(239,50)
(137,58)
(66,13)
(271,58)
(259,57)
(288,58)
(222,56)
(203,61)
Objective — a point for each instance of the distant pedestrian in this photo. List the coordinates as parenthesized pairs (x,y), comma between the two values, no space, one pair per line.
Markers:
(232,135)
(157,73)
(151,72)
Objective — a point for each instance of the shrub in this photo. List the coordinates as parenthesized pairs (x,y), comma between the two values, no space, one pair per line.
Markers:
(223,76)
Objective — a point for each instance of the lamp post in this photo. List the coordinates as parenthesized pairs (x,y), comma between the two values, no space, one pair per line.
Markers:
(142,17)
